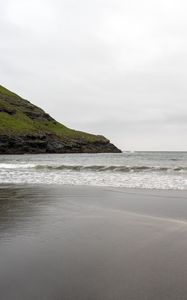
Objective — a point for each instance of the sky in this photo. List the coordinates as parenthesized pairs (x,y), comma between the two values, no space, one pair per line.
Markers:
(111,67)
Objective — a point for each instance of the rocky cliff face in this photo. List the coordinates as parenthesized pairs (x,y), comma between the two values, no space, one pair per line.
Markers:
(26,128)
(50,143)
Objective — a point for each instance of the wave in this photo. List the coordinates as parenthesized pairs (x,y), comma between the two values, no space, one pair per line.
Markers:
(101,168)
(94,168)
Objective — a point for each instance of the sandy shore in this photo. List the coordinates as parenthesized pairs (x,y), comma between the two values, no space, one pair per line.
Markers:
(60,242)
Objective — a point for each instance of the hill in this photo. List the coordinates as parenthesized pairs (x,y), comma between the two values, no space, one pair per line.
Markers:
(26,128)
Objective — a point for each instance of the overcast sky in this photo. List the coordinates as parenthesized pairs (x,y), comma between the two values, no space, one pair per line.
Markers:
(111,67)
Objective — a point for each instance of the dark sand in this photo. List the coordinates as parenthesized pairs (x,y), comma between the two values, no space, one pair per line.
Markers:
(61,243)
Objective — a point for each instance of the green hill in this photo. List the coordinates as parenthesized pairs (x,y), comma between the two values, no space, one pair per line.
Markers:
(26,128)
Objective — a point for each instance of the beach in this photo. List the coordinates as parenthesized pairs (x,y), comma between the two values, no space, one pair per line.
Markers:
(83,242)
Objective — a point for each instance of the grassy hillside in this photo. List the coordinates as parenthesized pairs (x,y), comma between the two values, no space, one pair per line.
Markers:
(20,117)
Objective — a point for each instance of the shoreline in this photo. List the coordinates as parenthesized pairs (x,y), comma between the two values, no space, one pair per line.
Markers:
(115,188)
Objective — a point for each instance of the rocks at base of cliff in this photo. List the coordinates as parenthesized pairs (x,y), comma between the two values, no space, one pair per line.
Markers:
(52,144)
(22,144)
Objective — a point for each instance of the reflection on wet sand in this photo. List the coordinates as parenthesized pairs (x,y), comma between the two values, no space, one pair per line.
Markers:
(60,242)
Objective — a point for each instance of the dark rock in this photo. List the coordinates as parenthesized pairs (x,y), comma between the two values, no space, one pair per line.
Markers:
(38,116)
(8,111)
(51,144)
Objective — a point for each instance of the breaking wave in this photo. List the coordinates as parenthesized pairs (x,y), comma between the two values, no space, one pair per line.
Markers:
(94,168)
(98,168)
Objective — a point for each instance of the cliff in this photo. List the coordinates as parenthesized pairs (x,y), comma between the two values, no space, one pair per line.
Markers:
(26,128)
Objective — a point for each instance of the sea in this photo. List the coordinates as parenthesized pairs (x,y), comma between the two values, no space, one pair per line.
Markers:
(93,226)
(148,170)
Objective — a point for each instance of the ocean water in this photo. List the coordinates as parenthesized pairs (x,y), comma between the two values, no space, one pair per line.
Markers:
(151,170)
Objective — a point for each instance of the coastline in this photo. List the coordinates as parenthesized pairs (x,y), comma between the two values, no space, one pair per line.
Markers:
(82,242)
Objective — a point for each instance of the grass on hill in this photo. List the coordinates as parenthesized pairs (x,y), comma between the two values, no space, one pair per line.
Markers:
(15,121)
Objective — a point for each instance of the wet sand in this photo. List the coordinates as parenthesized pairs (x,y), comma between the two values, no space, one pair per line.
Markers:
(61,242)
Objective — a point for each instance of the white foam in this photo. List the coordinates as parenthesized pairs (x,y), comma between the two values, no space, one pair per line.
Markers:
(130,180)
(16,166)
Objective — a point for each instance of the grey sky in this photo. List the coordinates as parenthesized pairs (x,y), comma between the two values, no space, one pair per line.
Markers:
(111,67)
